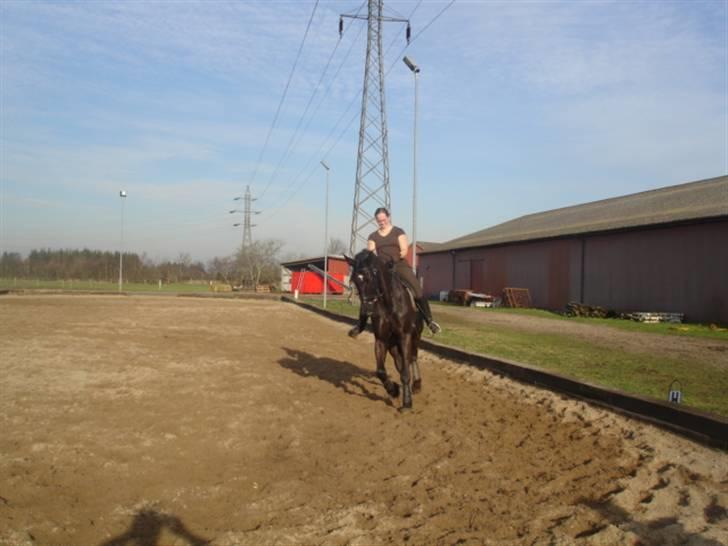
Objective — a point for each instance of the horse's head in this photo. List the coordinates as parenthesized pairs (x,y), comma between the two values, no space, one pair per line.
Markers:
(366,274)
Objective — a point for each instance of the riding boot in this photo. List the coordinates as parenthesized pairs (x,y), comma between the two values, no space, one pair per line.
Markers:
(424,307)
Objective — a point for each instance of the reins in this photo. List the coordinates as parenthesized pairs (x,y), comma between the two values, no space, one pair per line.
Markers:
(371,300)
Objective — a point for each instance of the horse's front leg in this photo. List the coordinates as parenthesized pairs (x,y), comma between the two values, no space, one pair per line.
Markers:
(405,357)
(380,353)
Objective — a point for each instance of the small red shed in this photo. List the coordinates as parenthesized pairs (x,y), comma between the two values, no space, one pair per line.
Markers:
(306,275)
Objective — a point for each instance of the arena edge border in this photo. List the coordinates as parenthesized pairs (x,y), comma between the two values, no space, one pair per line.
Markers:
(703,427)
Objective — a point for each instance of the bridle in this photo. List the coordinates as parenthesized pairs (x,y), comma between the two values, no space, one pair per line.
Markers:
(368,299)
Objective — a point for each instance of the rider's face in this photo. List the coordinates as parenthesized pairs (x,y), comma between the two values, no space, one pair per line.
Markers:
(382,220)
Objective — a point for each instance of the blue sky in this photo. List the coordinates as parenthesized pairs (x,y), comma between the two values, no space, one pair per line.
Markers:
(524,107)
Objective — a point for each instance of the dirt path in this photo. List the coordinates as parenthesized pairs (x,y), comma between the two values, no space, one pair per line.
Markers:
(162,421)
(706,350)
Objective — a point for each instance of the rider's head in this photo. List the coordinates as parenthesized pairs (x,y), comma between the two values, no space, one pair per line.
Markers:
(381,215)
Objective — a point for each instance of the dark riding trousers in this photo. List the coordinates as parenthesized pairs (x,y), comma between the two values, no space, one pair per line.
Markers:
(408,276)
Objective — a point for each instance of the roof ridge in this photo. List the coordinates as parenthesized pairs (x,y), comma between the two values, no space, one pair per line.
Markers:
(654,206)
(665,189)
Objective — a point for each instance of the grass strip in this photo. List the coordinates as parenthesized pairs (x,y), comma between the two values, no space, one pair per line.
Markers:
(712,331)
(101,286)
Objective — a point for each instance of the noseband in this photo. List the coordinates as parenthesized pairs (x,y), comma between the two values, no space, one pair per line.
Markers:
(370,300)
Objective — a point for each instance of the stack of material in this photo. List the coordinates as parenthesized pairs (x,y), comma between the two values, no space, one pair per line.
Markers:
(582,310)
(219,287)
(517,297)
(676,318)
(469,298)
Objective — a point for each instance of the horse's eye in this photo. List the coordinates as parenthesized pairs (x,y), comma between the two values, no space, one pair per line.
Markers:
(360,277)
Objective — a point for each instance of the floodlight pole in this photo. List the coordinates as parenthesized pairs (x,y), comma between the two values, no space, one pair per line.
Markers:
(122,195)
(326,234)
(416,71)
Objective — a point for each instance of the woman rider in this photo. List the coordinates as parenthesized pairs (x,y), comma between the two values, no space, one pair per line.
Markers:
(390,243)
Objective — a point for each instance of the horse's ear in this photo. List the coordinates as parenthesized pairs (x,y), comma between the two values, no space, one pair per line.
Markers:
(349,260)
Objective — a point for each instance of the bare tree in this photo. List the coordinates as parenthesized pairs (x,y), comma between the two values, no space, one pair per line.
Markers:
(225,269)
(337,246)
(259,262)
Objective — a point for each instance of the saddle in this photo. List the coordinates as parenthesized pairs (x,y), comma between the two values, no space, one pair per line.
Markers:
(397,278)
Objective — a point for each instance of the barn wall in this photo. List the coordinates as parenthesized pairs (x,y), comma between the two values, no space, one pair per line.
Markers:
(436,272)
(543,268)
(672,269)
(677,269)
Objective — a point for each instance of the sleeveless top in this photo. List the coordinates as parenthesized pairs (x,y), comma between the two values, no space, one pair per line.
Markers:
(388,247)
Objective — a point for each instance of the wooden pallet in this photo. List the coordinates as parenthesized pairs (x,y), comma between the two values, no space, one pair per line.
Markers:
(517,297)
(658,317)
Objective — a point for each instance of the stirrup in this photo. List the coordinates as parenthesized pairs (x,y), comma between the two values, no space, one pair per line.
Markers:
(434,327)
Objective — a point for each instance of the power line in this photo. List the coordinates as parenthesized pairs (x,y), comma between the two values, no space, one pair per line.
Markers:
(336,125)
(285,92)
(308,105)
(318,106)
(298,187)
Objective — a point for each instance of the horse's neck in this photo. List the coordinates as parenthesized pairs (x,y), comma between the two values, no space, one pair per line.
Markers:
(385,284)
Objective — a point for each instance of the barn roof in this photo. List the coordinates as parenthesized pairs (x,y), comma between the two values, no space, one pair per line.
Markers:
(305,261)
(428,246)
(691,201)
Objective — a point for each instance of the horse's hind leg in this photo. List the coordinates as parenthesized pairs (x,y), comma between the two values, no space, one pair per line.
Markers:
(380,352)
(416,377)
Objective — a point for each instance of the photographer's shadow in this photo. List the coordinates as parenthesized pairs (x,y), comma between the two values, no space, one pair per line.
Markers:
(343,375)
(147,527)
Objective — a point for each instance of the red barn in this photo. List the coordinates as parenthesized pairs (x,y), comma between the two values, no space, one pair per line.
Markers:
(305,275)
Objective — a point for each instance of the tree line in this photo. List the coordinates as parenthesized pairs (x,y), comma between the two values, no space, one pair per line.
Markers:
(249,266)
(256,264)
(97,265)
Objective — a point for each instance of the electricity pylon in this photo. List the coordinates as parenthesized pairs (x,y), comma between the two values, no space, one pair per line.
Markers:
(372,165)
(247,213)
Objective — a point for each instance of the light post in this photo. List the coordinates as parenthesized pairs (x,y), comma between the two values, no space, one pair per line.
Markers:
(326,234)
(122,194)
(415,70)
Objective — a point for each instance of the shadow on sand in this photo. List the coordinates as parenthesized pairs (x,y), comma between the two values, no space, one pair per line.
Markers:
(649,531)
(341,374)
(146,529)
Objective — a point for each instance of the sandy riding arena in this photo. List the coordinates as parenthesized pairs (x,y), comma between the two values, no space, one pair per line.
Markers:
(151,421)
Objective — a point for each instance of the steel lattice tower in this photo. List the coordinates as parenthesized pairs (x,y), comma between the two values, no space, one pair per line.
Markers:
(372,165)
(247,211)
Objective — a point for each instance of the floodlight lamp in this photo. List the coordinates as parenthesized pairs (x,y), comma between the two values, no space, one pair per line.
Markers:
(122,193)
(411,64)
(325,166)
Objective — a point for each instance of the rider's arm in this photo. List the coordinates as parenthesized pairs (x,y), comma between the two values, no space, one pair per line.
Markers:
(403,246)
(371,246)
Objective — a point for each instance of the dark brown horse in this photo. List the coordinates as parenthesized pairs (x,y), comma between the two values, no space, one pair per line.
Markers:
(396,322)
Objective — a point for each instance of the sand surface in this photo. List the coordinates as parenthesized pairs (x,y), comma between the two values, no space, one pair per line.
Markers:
(147,421)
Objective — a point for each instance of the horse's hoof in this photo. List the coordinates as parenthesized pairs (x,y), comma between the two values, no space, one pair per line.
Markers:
(405,409)
(393,390)
(416,386)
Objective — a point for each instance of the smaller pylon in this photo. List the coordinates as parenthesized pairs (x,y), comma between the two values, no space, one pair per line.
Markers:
(247,213)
